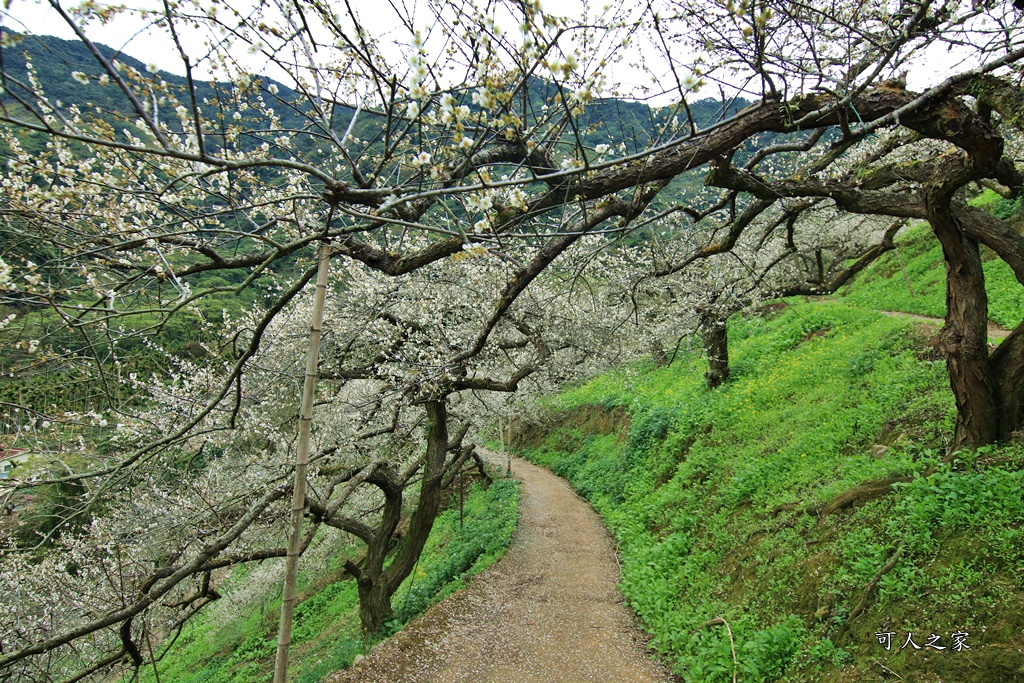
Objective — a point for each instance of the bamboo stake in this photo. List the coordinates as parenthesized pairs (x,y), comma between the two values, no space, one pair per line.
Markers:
(288,597)
(501,438)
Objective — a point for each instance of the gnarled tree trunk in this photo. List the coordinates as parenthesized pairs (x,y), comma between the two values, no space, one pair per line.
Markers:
(964,337)
(377,585)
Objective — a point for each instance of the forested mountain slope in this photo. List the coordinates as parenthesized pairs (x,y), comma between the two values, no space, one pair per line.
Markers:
(55,60)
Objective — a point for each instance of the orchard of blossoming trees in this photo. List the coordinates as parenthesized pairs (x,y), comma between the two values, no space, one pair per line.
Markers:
(486,224)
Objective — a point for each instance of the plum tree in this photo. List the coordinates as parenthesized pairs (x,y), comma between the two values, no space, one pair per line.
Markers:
(466,175)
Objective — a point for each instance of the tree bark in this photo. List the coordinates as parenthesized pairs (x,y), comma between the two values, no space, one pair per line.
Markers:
(715,334)
(375,584)
(430,496)
(374,593)
(658,355)
(964,337)
(1008,369)
(374,605)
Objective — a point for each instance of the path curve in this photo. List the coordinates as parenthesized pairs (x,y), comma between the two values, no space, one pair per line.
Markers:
(547,612)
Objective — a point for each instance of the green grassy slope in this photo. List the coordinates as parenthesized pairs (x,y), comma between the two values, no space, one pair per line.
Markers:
(729,504)
(240,648)
(911,278)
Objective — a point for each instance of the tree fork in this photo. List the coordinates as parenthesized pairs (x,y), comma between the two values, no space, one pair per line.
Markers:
(376,585)
(965,334)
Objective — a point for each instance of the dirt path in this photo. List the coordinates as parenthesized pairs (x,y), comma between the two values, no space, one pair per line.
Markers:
(547,612)
(994,331)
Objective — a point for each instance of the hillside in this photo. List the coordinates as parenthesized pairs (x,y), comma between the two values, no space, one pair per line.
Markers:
(910,278)
(794,522)
(235,641)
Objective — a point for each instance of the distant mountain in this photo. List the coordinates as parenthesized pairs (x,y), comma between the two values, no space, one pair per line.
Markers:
(615,122)
(54,60)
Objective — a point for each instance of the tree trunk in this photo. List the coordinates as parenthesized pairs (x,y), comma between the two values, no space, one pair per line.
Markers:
(964,337)
(374,604)
(377,585)
(658,355)
(374,591)
(715,334)
(1008,370)
(430,496)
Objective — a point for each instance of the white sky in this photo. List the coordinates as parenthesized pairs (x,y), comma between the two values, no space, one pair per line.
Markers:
(155,47)
(130,35)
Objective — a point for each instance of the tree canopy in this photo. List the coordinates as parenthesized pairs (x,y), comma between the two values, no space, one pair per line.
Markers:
(497,210)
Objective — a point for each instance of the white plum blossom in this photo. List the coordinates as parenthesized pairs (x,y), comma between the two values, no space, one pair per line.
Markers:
(5,275)
(484,97)
(692,82)
(480,201)
(517,198)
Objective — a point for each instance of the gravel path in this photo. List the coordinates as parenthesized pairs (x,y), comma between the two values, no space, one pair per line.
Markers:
(547,612)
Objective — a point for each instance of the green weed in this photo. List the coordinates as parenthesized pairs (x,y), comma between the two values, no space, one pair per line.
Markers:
(711,497)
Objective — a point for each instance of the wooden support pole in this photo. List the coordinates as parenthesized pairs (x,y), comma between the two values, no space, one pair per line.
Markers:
(291,570)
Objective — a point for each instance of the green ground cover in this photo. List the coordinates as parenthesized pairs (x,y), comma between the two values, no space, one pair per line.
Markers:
(911,278)
(726,504)
(326,634)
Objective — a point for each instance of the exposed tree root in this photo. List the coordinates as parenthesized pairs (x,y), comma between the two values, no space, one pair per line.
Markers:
(862,493)
(869,490)
(868,590)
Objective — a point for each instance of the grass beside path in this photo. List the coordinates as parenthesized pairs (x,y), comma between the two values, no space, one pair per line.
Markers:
(795,504)
(235,642)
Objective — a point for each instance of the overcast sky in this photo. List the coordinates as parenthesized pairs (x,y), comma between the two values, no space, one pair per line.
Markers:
(155,47)
(130,35)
